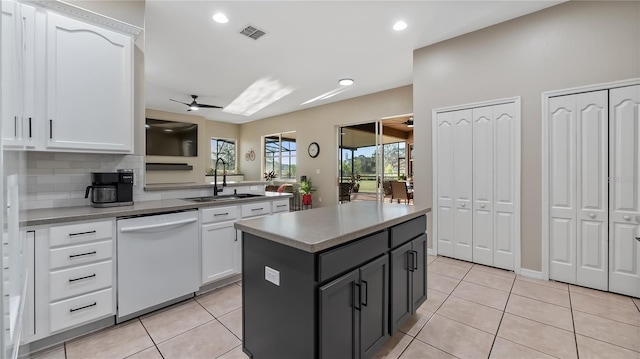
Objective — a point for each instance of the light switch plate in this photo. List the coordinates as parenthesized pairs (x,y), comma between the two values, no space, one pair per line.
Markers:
(272,275)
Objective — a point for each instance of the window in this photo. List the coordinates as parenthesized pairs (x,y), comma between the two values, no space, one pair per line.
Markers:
(280,154)
(395,164)
(226,149)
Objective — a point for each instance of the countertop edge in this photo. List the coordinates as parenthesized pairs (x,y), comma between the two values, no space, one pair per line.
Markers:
(177,186)
(347,237)
(126,211)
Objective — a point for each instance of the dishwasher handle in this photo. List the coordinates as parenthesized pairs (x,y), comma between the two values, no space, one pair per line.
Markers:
(156,226)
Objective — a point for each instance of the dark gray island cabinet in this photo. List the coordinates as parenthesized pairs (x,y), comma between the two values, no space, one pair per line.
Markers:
(333,282)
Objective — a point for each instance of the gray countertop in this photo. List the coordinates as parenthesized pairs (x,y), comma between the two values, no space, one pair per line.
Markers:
(325,227)
(82,213)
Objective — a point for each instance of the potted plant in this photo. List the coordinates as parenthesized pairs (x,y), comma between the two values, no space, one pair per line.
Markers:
(306,189)
(355,183)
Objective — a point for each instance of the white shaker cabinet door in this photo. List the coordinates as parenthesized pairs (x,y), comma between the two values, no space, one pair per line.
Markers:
(506,138)
(624,187)
(219,247)
(89,87)
(11,71)
(483,153)
(462,184)
(444,138)
(592,190)
(562,188)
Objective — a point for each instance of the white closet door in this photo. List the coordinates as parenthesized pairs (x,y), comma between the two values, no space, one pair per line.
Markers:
(462,184)
(444,138)
(562,188)
(591,189)
(483,153)
(624,187)
(505,168)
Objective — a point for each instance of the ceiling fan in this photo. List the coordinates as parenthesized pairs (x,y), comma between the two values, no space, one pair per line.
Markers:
(194,106)
(409,122)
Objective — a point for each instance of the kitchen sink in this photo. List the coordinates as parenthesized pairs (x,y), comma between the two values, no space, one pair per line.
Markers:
(226,197)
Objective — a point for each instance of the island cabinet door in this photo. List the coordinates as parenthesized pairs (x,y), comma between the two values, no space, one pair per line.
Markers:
(374,299)
(400,298)
(419,272)
(340,317)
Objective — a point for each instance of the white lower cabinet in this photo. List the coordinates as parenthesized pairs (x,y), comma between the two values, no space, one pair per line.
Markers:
(74,277)
(220,246)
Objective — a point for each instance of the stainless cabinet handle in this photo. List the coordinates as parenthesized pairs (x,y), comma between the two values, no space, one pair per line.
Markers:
(281,205)
(81,255)
(85,307)
(592,215)
(81,278)
(627,218)
(257,209)
(15,126)
(81,233)
(221,214)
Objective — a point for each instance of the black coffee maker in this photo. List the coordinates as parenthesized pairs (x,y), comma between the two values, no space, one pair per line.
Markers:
(111,189)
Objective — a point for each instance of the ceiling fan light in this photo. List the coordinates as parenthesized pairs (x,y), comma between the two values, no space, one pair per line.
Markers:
(193,108)
(220,18)
(400,25)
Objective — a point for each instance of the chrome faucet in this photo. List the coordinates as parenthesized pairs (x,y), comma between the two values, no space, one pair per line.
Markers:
(217,190)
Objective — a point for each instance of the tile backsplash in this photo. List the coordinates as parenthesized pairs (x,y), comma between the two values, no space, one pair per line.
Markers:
(58,179)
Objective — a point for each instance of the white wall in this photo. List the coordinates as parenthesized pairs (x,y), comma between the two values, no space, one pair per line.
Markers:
(568,45)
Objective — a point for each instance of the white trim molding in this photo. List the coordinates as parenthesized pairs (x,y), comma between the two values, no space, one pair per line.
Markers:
(545,155)
(516,100)
(431,251)
(531,274)
(87,15)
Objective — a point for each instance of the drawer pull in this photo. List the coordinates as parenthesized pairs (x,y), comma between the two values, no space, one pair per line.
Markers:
(81,233)
(281,205)
(81,278)
(85,307)
(257,209)
(221,214)
(83,254)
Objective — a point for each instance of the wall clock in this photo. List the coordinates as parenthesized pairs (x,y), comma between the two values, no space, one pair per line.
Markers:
(314,149)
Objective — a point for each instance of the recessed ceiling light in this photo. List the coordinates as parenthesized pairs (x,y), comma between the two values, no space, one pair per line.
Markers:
(220,18)
(400,25)
(346,82)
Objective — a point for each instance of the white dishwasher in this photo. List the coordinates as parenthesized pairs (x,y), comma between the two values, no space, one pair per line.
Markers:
(158,261)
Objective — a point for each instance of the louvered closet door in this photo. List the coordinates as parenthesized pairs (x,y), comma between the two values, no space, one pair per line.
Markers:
(444,138)
(591,190)
(483,153)
(562,188)
(462,184)
(504,186)
(624,187)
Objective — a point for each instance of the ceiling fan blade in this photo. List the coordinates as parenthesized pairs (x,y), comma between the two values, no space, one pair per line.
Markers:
(208,106)
(184,103)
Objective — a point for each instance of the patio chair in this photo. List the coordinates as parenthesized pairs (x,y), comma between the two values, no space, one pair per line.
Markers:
(399,191)
(386,187)
(345,192)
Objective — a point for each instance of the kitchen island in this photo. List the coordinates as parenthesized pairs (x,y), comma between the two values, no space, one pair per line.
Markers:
(332,282)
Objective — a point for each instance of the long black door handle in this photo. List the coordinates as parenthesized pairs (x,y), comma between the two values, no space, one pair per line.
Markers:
(354,301)
(30,127)
(366,293)
(415,260)
(410,261)
(50,129)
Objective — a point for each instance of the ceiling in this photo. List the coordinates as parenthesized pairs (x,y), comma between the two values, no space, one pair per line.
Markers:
(308,46)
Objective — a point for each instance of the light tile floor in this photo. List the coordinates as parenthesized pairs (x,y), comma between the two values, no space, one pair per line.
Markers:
(472,311)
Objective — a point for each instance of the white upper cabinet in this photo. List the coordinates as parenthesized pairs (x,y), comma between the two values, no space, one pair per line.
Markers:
(89,87)
(11,75)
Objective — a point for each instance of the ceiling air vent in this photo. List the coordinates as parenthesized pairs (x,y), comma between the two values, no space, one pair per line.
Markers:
(252,32)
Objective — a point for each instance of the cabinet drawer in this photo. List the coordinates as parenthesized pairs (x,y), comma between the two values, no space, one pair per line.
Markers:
(80,310)
(79,280)
(80,254)
(407,230)
(256,209)
(351,255)
(281,205)
(82,232)
(220,214)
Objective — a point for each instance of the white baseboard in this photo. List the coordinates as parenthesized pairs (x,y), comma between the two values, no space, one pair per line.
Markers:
(531,273)
(431,252)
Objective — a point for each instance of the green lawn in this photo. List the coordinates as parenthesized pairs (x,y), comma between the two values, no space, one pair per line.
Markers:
(368,186)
